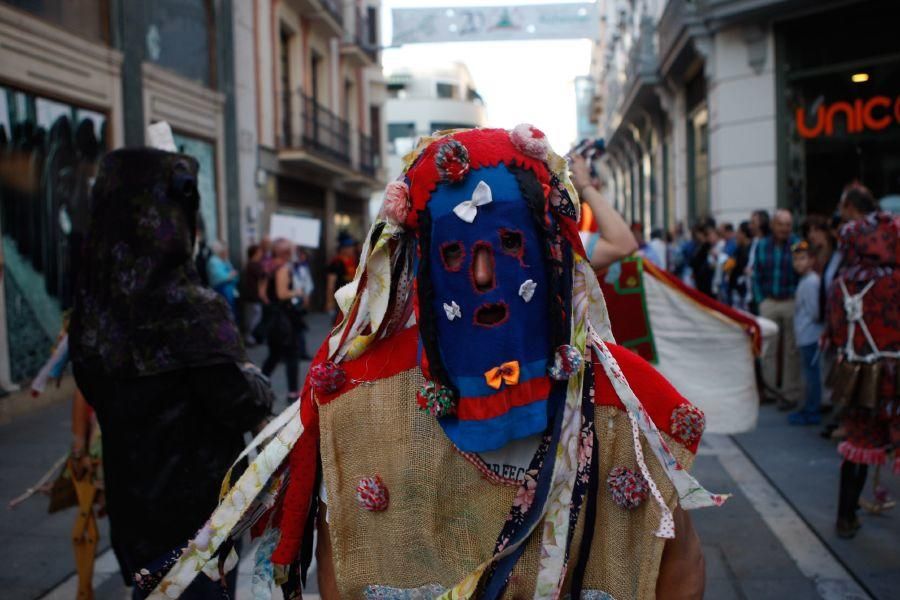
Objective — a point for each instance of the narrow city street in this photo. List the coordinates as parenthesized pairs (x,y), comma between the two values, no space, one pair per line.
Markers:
(773,539)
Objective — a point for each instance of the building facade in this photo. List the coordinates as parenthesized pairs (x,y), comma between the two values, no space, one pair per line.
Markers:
(720,107)
(78,78)
(310,88)
(423,99)
(280,101)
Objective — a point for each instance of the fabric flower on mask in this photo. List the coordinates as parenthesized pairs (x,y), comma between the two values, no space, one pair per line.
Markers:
(452,161)
(453,311)
(526,290)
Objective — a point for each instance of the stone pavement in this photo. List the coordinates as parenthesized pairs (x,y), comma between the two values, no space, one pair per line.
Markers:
(805,469)
(773,539)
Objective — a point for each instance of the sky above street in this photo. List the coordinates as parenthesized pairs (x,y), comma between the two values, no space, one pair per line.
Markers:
(521,82)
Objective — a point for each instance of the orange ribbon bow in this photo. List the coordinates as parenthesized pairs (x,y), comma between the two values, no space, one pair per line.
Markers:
(507,373)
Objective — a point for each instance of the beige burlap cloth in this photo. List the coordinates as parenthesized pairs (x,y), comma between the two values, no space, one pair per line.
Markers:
(444,516)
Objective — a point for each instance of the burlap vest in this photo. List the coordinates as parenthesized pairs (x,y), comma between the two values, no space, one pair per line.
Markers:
(444,515)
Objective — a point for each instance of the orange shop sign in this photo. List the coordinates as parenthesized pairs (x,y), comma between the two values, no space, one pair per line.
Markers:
(873,114)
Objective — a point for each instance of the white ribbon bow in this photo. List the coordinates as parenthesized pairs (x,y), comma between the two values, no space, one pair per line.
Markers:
(467,210)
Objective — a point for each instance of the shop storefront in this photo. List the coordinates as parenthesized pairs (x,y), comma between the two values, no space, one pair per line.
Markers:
(840,106)
(61,108)
(49,156)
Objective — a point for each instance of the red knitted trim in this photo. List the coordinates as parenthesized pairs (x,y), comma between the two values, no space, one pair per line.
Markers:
(488,407)
(863,456)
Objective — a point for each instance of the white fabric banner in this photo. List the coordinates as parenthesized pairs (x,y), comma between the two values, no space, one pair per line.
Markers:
(495,23)
(706,356)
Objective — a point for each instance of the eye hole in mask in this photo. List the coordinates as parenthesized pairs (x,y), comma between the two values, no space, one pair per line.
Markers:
(512,242)
(452,255)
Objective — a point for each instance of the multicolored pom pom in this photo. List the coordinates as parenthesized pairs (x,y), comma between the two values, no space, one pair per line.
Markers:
(687,423)
(567,362)
(628,488)
(372,494)
(452,161)
(439,402)
(530,140)
(327,377)
(395,207)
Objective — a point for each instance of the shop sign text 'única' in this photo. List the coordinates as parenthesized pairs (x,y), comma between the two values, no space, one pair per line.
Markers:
(874,114)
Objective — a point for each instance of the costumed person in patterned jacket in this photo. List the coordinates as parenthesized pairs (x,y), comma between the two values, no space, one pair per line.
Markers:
(863,325)
(469,429)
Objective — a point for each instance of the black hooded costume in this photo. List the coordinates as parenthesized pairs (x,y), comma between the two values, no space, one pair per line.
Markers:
(158,356)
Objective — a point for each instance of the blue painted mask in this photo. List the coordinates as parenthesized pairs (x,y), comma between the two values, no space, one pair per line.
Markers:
(490,308)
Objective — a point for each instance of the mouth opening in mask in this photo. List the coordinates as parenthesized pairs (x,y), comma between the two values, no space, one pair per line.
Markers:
(491,314)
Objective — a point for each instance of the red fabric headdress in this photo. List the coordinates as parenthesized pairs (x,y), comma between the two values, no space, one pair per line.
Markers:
(451,158)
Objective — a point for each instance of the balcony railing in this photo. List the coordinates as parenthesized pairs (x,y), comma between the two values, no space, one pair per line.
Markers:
(368,157)
(325,134)
(322,131)
(366,35)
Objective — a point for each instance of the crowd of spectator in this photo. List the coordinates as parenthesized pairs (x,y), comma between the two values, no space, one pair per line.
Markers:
(772,268)
(272,293)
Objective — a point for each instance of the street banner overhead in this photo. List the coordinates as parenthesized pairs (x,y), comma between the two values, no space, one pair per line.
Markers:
(495,23)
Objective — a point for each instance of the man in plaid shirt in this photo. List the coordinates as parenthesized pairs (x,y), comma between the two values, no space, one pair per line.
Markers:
(774,283)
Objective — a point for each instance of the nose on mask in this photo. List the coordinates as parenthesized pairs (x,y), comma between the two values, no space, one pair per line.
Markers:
(483,268)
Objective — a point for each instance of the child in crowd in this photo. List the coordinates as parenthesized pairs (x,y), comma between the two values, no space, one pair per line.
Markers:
(807,329)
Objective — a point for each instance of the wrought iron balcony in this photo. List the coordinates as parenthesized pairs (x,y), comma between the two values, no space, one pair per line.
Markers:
(366,35)
(320,132)
(323,131)
(368,155)
(360,38)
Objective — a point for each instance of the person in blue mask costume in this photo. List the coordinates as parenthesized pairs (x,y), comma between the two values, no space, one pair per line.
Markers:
(470,429)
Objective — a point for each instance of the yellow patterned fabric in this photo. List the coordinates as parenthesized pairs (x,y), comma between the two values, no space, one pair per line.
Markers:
(444,516)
